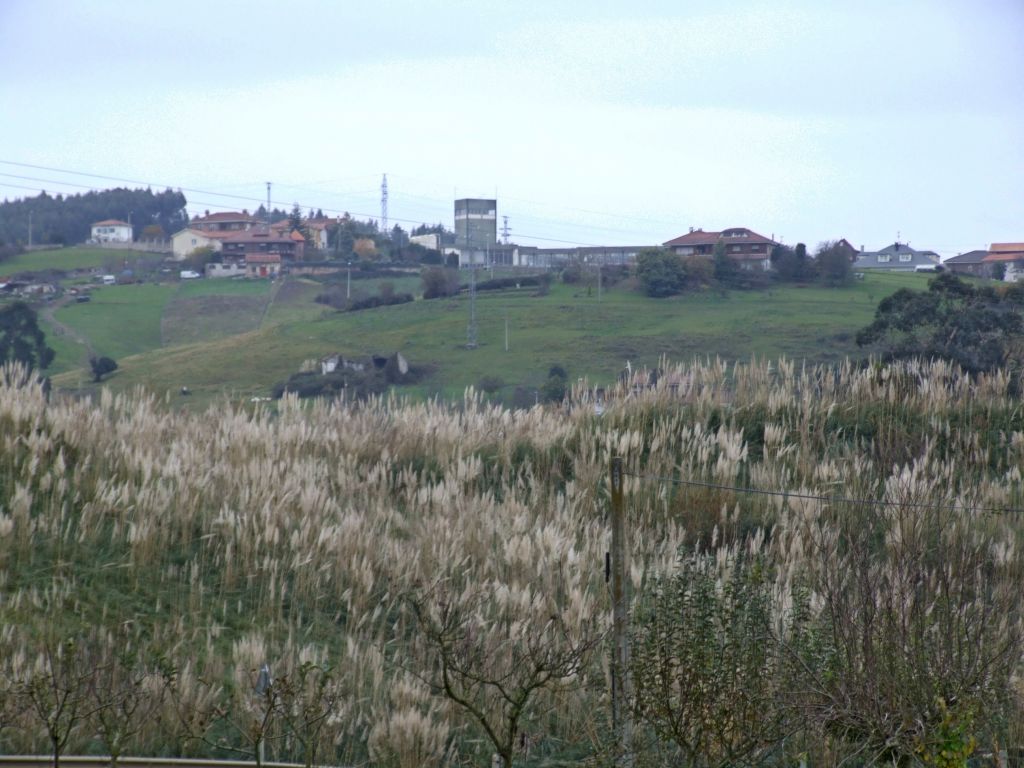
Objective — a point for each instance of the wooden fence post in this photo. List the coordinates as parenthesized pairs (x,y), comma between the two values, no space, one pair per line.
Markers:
(622,678)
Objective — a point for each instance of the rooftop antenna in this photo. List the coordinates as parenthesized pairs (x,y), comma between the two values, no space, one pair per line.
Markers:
(384,204)
(505,230)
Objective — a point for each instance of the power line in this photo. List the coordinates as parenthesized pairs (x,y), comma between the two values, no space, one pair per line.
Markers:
(832,499)
(193,201)
(250,199)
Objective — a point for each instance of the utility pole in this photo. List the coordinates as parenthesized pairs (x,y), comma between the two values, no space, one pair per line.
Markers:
(505,230)
(622,678)
(384,205)
(471,330)
(268,205)
(471,338)
(506,329)
(30,229)
(348,281)
(599,281)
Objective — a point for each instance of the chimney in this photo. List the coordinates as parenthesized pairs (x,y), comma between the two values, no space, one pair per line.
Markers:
(691,230)
(862,248)
(206,212)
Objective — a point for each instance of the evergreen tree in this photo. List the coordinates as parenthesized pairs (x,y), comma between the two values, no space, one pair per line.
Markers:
(21,339)
(68,219)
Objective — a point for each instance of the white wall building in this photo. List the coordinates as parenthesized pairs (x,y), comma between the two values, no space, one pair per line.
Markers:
(111,231)
(432,240)
(185,241)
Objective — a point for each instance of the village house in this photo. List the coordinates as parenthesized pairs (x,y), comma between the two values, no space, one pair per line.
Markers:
(971,263)
(226,269)
(751,250)
(898,257)
(263,265)
(111,231)
(224,221)
(186,241)
(1011,255)
(261,241)
(846,248)
(316,231)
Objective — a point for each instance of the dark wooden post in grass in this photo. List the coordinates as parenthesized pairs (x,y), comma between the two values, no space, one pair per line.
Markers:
(622,682)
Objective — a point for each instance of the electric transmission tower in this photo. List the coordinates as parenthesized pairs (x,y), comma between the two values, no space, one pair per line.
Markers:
(384,205)
(505,230)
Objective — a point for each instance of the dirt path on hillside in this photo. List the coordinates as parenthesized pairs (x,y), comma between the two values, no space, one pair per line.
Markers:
(274,288)
(47,311)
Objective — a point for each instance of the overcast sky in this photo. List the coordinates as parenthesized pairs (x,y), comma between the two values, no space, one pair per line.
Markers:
(591,122)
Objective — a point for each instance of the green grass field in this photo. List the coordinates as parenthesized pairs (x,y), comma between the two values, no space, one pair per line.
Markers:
(66,259)
(203,310)
(569,327)
(70,355)
(120,320)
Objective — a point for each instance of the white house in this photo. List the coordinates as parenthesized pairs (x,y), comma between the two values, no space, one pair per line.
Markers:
(187,240)
(111,231)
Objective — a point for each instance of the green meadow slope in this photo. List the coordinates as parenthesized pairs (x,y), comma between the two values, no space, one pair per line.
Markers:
(240,338)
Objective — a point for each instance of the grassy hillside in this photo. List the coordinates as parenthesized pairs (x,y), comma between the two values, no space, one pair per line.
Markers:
(568,327)
(78,257)
(120,320)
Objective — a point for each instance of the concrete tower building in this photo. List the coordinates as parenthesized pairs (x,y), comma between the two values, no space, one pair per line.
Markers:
(476,223)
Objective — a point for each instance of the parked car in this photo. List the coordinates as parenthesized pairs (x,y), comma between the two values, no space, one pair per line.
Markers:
(189,274)
(82,299)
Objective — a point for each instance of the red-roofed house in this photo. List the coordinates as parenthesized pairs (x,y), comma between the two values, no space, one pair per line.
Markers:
(112,231)
(1010,254)
(225,221)
(751,250)
(263,265)
(261,240)
(187,240)
(314,229)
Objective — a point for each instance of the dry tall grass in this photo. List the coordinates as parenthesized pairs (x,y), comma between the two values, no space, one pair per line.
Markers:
(301,536)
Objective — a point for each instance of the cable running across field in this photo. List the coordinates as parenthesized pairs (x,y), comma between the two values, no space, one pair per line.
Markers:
(833,499)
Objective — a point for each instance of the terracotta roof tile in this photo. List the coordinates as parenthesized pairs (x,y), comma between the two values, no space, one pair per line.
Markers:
(257,235)
(733,235)
(223,216)
(697,237)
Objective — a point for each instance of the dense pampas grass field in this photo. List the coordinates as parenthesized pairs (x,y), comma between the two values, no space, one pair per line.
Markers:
(423,583)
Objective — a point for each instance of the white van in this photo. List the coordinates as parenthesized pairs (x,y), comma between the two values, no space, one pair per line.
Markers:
(189,274)
(109,280)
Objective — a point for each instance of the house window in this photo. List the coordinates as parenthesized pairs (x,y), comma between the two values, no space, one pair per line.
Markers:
(734,248)
(883,258)
(904,257)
